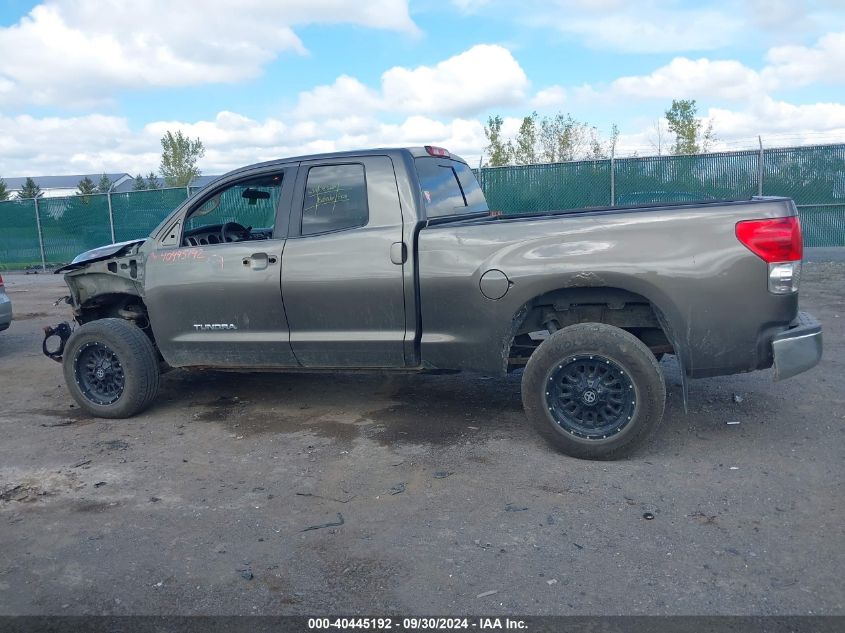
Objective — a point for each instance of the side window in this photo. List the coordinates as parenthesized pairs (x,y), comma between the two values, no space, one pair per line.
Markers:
(449,187)
(250,203)
(335,199)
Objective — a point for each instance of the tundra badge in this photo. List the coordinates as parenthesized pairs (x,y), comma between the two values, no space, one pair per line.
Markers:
(202,327)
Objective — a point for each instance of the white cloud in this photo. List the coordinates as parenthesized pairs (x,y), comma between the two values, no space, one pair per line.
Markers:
(61,145)
(482,76)
(345,95)
(650,26)
(769,116)
(794,17)
(699,78)
(801,65)
(729,80)
(485,76)
(670,26)
(442,104)
(81,51)
(97,143)
(553,96)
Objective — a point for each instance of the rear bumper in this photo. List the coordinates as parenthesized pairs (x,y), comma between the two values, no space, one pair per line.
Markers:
(797,349)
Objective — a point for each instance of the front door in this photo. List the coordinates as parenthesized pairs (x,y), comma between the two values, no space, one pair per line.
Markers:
(214,296)
(342,273)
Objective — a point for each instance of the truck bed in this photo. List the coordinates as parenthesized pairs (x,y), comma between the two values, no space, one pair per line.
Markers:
(684,259)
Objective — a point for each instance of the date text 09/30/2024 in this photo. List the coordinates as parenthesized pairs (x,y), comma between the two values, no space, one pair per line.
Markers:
(415,624)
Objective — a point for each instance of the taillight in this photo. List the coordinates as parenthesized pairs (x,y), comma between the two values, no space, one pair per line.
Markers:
(437,151)
(772,240)
(1,281)
(777,241)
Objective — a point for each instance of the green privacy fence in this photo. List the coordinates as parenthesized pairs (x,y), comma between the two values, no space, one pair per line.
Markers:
(814,176)
(53,231)
(19,234)
(137,213)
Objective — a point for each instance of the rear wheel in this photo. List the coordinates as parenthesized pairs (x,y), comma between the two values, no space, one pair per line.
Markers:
(111,368)
(593,391)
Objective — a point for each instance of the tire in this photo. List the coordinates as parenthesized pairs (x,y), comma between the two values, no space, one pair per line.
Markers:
(574,386)
(111,368)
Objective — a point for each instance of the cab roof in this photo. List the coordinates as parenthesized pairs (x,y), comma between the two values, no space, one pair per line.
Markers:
(413,152)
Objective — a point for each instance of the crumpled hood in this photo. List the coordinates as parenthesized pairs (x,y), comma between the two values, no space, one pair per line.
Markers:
(99,253)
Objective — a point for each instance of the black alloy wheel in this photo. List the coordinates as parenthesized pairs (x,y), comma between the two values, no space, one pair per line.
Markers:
(99,373)
(591,396)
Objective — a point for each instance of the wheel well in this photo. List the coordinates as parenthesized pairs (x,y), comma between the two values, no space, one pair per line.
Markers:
(558,309)
(114,305)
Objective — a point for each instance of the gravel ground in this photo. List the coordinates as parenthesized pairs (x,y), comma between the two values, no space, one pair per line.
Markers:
(436,495)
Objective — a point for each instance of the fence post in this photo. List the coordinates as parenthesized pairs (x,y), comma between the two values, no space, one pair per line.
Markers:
(188,190)
(111,216)
(40,236)
(760,168)
(612,180)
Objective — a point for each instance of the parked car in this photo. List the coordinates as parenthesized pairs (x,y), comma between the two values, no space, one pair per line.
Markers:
(5,307)
(390,259)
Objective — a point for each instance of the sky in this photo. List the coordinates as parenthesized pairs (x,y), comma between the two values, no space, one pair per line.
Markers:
(90,86)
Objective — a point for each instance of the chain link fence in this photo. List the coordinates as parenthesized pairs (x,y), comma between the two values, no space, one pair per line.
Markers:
(814,176)
(52,231)
(48,232)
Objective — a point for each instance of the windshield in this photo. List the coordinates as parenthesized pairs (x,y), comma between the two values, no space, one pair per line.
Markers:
(449,188)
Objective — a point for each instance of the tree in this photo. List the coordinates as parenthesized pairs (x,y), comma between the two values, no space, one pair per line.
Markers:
(614,139)
(29,190)
(562,138)
(4,191)
(551,139)
(599,149)
(140,184)
(658,138)
(104,185)
(497,149)
(86,187)
(691,135)
(152,181)
(179,155)
(525,148)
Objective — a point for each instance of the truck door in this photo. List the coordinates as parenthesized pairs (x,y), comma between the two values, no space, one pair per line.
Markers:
(213,283)
(342,270)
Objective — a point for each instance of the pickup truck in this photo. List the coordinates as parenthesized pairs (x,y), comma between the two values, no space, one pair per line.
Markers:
(389,259)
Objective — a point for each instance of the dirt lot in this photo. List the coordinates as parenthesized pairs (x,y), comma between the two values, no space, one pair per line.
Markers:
(204,503)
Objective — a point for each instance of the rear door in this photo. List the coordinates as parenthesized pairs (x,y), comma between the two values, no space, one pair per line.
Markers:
(342,270)
(213,293)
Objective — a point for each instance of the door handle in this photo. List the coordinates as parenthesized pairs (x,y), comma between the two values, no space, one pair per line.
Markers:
(398,253)
(259,261)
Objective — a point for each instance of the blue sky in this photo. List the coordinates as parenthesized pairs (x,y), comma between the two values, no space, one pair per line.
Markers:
(91,85)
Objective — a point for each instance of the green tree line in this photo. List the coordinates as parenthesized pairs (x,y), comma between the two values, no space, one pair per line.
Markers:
(561,137)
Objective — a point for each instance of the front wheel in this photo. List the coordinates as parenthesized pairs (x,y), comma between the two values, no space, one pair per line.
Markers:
(111,368)
(594,391)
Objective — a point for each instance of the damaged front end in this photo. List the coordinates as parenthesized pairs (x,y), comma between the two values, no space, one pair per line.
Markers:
(103,282)
(103,278)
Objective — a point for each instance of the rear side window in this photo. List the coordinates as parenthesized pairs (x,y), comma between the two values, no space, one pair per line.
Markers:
(449,188)
(335,199)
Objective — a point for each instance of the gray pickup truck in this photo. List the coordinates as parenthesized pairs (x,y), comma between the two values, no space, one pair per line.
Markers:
(390,259)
